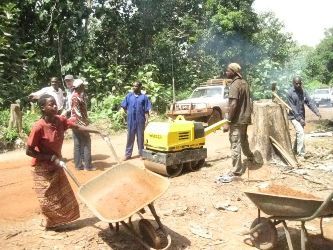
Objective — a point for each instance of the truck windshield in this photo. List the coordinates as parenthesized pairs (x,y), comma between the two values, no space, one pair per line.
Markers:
(206,92)
(322,91)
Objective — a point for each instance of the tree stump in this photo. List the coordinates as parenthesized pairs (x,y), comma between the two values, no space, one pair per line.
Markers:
(15,120)
(270,119)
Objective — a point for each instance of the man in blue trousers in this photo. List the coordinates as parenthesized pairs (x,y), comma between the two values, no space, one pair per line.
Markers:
(137,107)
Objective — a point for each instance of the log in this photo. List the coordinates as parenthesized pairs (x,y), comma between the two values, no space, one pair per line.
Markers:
(15,120)
(270,119)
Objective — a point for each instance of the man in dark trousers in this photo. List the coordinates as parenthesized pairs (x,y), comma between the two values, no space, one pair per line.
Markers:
(240,117)
(297,96)
(137,107)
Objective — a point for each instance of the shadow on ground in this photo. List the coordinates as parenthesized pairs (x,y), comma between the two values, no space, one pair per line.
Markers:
(315,241)
(99,157)
(123,239)
(101,165)
(78,224)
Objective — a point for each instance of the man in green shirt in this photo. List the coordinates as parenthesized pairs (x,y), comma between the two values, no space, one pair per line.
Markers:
(240,117)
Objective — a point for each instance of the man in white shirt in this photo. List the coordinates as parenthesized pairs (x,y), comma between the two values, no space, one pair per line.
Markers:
(69,80)
(52,90)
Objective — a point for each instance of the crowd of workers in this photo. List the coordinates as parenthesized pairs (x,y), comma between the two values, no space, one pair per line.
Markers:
(60,112)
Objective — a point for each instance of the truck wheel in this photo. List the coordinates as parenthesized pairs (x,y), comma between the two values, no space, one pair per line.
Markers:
(214,117)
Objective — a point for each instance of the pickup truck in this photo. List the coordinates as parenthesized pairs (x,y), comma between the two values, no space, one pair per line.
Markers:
(207,103)
(323,96)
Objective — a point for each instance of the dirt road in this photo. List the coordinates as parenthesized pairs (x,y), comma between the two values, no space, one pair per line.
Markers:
(188,203)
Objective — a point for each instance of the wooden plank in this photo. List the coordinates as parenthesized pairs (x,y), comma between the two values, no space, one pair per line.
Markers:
(283,152)
(285,155)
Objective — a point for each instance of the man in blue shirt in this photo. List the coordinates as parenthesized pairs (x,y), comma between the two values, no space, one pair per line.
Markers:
(137,107)
(297,96)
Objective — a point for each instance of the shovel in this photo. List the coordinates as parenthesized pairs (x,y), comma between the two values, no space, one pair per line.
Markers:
(63,165)
(108,141)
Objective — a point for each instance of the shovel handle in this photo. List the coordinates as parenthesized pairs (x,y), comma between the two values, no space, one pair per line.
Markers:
(107,140)
(70,174)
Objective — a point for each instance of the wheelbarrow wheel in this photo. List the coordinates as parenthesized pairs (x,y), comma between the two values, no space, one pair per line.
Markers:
(266,236)
(149,234)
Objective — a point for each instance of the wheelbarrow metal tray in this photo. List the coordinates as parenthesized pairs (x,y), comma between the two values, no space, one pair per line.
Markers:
(121,191)
(285,206)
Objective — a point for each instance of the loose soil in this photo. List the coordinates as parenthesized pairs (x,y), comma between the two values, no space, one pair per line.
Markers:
(285,191)
(191,201)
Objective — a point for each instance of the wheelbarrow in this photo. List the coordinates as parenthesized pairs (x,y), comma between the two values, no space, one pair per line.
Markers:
(281,208)
(123,191)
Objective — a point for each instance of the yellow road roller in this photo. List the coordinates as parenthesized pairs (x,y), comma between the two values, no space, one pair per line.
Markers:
(175,145)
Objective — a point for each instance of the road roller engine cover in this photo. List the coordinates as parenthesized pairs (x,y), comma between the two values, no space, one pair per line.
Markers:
(177,144)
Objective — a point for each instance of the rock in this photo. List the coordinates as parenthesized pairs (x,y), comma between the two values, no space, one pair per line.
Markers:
(232,208)
(221,204)
(180,211)
(327,168)
(300,171)
(200,231)
(19,143)
(225,206)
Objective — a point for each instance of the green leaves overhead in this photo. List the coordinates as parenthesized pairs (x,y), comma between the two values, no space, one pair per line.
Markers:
(320,61)
(111,43)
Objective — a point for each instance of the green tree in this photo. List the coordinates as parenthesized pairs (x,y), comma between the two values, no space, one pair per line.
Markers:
(320,61)
(13,54)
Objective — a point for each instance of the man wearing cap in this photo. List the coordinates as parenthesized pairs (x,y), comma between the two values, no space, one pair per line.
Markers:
(52,90)
(82,141)
(69,80)
(239,116)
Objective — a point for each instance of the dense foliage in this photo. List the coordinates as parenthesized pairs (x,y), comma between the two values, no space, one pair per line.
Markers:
(111,43)
(320,61)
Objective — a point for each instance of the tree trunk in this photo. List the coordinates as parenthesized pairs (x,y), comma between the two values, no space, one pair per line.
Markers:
(270,119)
(15,120)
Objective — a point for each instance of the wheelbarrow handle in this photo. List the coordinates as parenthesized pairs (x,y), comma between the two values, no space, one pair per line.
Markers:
(63,165)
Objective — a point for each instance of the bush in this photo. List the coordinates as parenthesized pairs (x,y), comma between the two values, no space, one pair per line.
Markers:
(10,135)
(28,120)
(185,94)
(4,118)
(108,113)
(7,136)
